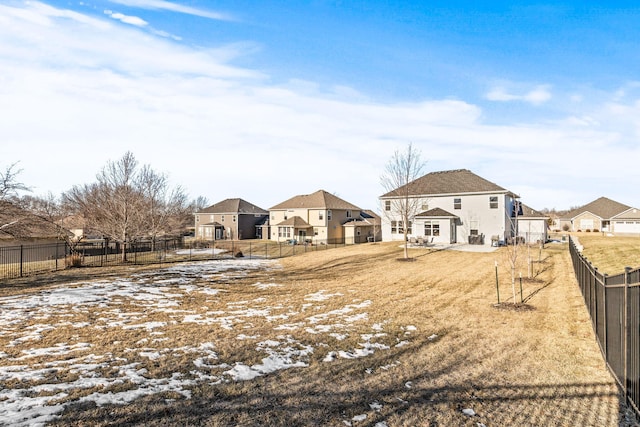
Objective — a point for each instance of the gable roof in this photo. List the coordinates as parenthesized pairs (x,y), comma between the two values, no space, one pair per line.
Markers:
(318,200)
(234,206)
(436,213)
(295,222)
(603,207)
(529,212)
(458,181)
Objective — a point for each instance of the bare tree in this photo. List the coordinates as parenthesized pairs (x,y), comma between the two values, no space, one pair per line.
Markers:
(9,184)
(15,221)
(513,250)
(52,211)
(398,180)
(164,208)
(113,204)
(128,202)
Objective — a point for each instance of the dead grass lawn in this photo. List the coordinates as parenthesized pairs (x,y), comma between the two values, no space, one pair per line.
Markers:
(536,367)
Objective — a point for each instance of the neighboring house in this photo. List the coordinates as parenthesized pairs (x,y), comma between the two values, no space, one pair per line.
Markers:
(602,214)
(366,228)
(456,206)
(230,219)
(532,225)
(319,217)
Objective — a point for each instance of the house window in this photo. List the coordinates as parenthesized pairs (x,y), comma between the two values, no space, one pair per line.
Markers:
(320,215)
(315,231)
(387,205)
(222,218)
(210,218)
(285,216)
(425,207)
(329,215)
(431,228)
(493,202)
(457,203)
(394,227)
(197,218)
(284,232)
(586,224)
(233,218)
(348,214)
(401,227)
(474,227)
(273,217)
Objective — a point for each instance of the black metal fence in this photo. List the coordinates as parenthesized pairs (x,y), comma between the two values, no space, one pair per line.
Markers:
(24,260)
(614,305)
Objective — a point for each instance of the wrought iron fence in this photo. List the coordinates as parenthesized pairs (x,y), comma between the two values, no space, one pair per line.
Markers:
(23,260)
(614,305)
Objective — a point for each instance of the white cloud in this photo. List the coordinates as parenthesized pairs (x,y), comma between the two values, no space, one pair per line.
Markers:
(173,7)
(536,96)
(79,91)
(131,20)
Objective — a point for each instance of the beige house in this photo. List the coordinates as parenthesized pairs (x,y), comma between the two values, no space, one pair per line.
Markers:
(230,219)
(320,217)
(602,214)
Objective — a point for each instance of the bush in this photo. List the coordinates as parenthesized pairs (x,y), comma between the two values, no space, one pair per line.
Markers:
(588,230)
(565,227)
(595,230)
(73,260)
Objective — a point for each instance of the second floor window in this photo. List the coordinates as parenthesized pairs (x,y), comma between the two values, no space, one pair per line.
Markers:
(329,215)
(457,203)
(493,202)
(320,215)
(387,205)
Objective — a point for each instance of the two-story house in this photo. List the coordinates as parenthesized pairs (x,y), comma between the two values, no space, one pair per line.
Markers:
(455,206)
(319,217)
(230,219)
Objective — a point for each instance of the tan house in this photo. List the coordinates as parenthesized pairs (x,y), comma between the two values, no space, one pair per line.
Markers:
(602,214)
(230,219)
(320,217)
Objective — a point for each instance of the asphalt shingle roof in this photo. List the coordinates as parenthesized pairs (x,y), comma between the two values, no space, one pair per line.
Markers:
(233,206)
(603,207)
(318,200)
(529,212)
(459,181)
(436,213)
(295,222)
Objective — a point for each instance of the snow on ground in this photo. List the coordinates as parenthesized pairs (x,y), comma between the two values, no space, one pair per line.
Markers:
(38,380)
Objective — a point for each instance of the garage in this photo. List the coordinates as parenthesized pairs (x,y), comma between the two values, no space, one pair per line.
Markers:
(627,222)
(626,227)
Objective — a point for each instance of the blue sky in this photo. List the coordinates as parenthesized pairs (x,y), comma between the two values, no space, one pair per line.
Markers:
(266,100)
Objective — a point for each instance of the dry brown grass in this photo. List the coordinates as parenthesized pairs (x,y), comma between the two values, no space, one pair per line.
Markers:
(539,366)
(611,254)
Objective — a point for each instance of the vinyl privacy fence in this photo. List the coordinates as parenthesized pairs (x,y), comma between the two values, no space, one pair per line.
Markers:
(614,305)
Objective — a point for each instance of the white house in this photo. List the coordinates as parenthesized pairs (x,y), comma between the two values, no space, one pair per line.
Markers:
(455,206)
(532,225)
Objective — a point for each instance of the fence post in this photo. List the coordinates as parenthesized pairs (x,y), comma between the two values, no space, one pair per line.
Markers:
(604,316)
(627,271)
(57,243)
(497,283)
(21,260)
